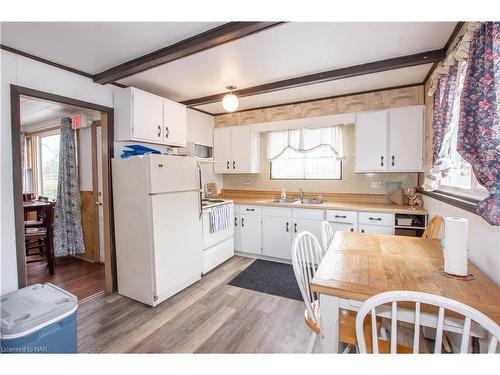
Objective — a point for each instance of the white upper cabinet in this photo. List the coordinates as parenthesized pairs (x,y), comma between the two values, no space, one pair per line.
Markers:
(236,150)
(405,139)
(145,117)
(222,150)
(371,141)
(390,140)
(174,123)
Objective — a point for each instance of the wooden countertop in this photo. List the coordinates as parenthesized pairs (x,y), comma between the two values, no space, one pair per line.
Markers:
(358,266)
(331,205)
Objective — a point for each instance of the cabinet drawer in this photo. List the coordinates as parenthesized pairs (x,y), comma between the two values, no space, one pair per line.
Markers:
(376,218)
(342,216)
(307,213)
(277,211)
(250,210)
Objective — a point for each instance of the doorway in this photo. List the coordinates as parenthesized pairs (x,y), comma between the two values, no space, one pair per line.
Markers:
(36,124)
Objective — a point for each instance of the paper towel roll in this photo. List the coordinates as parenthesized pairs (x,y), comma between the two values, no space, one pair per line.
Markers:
(456,234)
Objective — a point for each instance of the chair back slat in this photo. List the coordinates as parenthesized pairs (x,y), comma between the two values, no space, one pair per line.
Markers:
(374,333)
(470,315)
(439,331)
(306,257)
(492,347)
(416,335)
(433,228)
(326,235)
(394,327)
(464,346)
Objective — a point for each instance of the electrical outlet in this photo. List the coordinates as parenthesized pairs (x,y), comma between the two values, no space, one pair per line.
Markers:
(377,184)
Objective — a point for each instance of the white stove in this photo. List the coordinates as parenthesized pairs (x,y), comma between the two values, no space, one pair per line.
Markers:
(217,246)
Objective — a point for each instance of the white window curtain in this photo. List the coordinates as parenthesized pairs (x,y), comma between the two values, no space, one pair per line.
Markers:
(304,140)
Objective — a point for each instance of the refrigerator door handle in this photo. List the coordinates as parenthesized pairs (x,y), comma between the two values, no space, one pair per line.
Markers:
(200,186)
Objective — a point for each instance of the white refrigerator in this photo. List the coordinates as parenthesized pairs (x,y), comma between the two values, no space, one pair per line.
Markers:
(158,231)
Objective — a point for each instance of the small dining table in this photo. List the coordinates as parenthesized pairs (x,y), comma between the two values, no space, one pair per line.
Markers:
(358,266)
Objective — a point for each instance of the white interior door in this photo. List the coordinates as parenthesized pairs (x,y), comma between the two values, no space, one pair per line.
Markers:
(406,139)
(371,141)
(99,192)
(147,119)
(277,237)
(222,150)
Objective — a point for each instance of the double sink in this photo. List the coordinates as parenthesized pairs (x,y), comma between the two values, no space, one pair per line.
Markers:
(299,201)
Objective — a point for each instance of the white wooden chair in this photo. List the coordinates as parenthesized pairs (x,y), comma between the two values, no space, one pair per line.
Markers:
(326,235)
(417,298)
(306,257)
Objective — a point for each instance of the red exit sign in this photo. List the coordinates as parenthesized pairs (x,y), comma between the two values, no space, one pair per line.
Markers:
(76,122)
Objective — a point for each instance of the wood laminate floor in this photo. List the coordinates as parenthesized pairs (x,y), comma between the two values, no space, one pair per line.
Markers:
(79,277)
(207,317)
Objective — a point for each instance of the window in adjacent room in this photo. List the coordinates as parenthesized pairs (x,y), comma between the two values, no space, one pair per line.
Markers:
(48,165)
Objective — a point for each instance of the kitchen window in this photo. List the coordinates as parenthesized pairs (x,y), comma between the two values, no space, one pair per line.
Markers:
(319,164)
(306,154)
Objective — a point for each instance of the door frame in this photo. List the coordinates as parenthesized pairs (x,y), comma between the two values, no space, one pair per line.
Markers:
(107,116)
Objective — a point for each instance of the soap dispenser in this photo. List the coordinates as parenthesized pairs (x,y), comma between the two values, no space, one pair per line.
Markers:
(283,195)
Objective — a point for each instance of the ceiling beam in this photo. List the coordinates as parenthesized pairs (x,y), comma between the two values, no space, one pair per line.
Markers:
(330,75)
(222,34)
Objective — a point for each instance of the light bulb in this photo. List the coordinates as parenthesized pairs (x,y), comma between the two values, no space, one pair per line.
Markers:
(230,102)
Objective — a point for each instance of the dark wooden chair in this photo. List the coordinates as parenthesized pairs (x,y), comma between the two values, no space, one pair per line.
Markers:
(41,238)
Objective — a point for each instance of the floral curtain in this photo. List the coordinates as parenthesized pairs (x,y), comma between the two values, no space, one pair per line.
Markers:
(304,140)
(442,129)
(479,122)
(68,234)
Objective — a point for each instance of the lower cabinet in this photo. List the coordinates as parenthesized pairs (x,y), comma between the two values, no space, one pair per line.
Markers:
(237,232)
(313,226)
(375,229)
(277,237)
(344,227)
(251,233)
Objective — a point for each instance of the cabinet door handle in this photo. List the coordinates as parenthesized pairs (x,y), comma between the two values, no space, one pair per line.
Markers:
(227,166)
(158,133)
(381,161)
(295,227)
(242,221)
(362,231)
(392,163)
(341,216)
(352,229)
(287,229)
(167,132)
(375,218)
(250,209)
(235,221)
(234,165)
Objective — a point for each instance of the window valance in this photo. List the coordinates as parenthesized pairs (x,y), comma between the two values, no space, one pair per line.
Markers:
(304,140)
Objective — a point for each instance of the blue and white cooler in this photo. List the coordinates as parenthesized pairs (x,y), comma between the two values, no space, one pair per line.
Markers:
(39,319)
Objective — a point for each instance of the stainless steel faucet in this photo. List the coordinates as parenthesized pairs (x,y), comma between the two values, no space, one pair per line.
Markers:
(301,194)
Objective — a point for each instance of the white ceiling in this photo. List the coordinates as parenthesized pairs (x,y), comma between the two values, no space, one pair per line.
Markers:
(37,112)
(96,46)
(287,51)
(390,78)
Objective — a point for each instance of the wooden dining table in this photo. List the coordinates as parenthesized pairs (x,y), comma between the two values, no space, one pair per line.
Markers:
(358,266)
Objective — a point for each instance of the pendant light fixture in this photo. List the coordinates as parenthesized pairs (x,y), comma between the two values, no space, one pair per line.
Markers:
(230,101)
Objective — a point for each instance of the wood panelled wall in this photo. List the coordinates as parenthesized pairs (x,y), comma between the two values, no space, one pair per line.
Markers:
(354,103)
